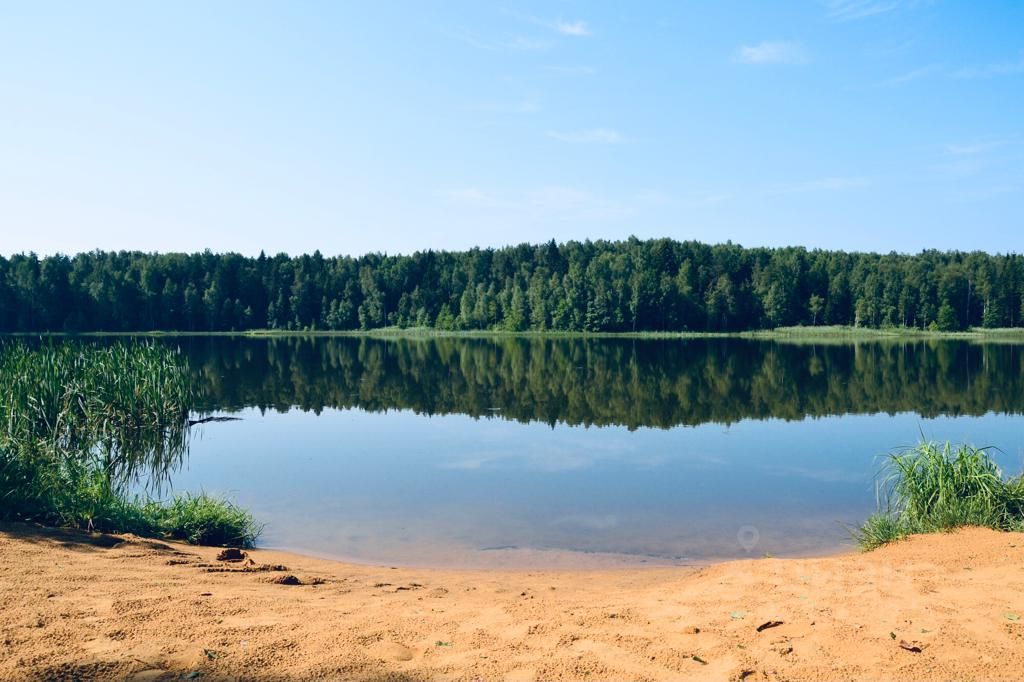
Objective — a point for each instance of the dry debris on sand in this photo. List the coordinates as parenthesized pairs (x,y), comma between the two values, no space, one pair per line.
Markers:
(77,607)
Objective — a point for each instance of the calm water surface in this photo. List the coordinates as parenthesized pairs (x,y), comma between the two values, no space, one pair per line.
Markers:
(552,452)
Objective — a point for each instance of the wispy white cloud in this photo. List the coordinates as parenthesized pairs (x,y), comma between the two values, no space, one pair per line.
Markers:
(578,29)
(852,10)
(569,70)
(526,105)
(978,147)
(540,204)
(818,185)
(986,193)
(527,44)
(522,43)
(705,199)
(772,52)
(960,168)
(469,195)
(591,136)
(513,43)
(964,160)
(1005,68)
(653,196)
(881,51)
(915,74)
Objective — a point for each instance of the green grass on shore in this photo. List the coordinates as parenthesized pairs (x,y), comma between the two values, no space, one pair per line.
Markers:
(82,424)
(885,332)
(934,488)
(81,496)
(204,520)
(823,332)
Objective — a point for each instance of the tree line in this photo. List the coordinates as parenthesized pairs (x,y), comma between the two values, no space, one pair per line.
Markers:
(627,382)
(595,286)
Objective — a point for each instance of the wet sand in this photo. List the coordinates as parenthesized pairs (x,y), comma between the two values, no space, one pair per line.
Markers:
(80,607)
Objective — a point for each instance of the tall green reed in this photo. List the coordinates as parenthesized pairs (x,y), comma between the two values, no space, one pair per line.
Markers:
(84,423)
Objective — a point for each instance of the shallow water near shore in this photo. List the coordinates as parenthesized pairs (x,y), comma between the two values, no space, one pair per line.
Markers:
(574,452)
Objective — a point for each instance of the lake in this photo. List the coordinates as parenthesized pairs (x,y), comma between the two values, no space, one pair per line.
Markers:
(548,452)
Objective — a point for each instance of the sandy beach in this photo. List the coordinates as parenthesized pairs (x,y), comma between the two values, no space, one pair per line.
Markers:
(80,607)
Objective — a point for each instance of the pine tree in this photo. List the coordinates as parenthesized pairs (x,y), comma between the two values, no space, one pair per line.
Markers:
(946,320)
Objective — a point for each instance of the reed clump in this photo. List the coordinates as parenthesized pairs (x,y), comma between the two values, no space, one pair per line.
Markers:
(84,423)
(933,488)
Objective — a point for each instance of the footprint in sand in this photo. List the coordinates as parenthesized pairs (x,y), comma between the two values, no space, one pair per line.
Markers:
(392,651)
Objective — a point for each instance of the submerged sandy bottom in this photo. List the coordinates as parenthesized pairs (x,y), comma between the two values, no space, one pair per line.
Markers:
(75,607)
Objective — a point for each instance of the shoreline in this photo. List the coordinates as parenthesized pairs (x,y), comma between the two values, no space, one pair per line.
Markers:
(794,334)
(528,559)
(111,608)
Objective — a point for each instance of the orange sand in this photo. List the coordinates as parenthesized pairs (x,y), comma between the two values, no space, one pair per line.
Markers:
(76,608)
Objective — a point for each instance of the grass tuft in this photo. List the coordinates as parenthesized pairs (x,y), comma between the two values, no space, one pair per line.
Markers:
(934,488)
(205,520)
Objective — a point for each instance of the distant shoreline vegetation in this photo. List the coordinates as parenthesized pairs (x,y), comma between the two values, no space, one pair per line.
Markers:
(632,286)
(798,333)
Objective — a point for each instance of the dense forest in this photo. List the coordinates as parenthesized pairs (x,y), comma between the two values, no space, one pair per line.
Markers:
(623,286)
(628,382)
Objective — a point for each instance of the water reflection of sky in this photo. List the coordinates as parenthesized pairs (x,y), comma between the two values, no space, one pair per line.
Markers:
(396,487)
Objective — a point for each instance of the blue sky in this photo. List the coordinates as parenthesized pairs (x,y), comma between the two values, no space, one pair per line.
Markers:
(396,126)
